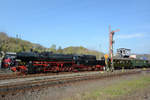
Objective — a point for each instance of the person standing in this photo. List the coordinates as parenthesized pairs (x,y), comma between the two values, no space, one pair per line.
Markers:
(1,58)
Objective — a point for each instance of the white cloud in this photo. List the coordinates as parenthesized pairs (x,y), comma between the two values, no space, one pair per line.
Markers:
(130,36)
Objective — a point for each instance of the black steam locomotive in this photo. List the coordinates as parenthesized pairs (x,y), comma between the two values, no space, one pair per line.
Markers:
(34,62)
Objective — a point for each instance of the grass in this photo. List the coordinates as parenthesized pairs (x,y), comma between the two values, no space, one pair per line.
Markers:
(121,88)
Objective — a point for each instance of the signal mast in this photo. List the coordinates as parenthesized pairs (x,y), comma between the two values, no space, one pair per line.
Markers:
(111,42)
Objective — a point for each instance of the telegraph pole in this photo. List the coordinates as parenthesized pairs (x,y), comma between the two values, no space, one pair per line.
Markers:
(111,42)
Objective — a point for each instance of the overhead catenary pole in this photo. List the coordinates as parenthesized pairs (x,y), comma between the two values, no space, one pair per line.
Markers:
(111,42)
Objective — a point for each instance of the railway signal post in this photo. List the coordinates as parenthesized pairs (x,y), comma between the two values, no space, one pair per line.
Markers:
(111,42)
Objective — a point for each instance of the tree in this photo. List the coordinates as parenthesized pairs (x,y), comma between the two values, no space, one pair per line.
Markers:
(59,50)
(53,48)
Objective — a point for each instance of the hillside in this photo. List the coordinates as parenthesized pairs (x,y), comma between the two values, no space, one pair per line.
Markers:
(82,50)
(10,44)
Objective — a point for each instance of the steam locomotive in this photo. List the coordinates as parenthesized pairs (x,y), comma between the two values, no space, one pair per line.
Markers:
(34,62)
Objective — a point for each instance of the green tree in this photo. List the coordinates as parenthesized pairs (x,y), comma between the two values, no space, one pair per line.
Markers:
(53,48)
(59,50)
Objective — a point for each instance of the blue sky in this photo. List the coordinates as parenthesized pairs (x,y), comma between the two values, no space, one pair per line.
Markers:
(79,22)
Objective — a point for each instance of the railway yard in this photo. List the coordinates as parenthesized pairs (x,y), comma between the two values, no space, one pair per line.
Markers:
(74,50)
(54,86)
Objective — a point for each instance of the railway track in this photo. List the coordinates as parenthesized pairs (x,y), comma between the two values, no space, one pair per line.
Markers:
(23,84)
(19,75)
